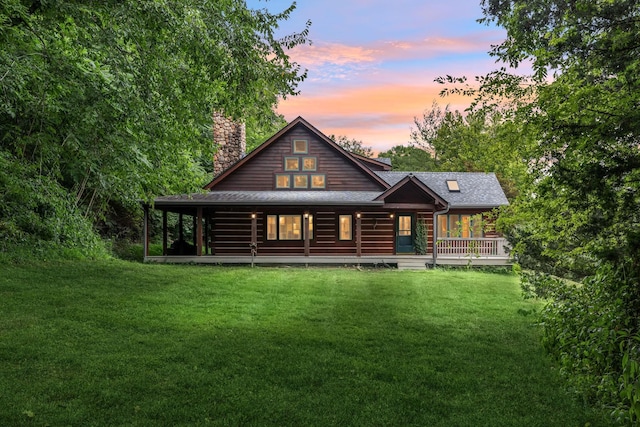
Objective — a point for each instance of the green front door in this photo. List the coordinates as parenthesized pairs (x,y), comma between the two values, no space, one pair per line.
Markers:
(404,234)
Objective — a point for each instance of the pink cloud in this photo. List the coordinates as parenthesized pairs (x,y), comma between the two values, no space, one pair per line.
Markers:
(324,53)
(381,115)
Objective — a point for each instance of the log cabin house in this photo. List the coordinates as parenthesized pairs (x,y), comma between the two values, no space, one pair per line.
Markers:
(300,198)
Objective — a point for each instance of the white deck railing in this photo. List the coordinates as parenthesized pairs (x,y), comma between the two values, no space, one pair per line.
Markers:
(473,246)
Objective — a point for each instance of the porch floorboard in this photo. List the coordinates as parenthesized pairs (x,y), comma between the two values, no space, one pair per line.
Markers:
(400,261)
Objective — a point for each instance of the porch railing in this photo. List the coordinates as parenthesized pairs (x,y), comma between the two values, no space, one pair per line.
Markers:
(472,246)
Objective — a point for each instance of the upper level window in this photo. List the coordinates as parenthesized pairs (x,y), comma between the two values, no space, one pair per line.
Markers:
(291,163)
(309,164)
(318,181)
(300,181)
(452,185)
(300,146)
(283,181)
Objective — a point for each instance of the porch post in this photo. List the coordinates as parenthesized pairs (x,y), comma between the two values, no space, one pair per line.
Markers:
(164,233)
(145,232)
(358,234)
(254,228)
(206,235)
(199,232)
(306,234)
(194,229)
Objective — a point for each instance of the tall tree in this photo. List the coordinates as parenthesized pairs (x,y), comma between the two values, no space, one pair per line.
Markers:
(580,216)
(482,140)
(113,99)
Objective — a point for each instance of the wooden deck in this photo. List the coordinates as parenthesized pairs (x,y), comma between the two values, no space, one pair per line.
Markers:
(402,262)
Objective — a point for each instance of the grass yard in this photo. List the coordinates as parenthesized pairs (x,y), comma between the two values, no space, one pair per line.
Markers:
(117,343)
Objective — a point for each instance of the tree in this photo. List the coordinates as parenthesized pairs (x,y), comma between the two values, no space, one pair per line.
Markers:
(483,140)
(580,214)
(113,99)
(409,158)
(352,145)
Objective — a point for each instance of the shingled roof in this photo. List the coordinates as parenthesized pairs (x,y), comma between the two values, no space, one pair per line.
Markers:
(477,189)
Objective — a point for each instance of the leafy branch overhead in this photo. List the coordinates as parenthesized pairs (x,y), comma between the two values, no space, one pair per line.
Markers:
(577,214)
(113,100)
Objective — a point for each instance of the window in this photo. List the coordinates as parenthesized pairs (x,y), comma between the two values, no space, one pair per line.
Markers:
(465,226)
(287,227)
(318,181)
(290,227)
(404,225)
(345,227)
(300,181)
(310,226)
(291,163)
(283,181)
(272,227)
(309,164)
(452,186)
(300,146)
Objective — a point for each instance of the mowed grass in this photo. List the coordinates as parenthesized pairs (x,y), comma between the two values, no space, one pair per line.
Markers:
(117,343)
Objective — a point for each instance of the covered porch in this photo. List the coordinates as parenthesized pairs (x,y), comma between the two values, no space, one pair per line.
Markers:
(483,252)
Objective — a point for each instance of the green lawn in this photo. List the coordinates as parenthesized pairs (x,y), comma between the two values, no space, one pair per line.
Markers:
(117,343)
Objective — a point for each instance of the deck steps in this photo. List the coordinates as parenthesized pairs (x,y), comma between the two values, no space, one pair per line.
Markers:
(412,264)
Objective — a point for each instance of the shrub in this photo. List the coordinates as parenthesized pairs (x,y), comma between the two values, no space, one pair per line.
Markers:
(590,330)
(39,216)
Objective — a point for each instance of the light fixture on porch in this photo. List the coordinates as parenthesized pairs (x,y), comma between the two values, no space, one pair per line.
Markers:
(391,215)
(253,215)
(358,215)
(306,215)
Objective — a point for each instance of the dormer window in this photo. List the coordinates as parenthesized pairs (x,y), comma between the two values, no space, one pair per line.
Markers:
(452,186)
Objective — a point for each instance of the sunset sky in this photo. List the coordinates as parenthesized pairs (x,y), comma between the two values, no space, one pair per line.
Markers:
(372,64)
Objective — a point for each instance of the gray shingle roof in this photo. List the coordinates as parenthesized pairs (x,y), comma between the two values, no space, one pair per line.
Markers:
(292,198)
(477,189)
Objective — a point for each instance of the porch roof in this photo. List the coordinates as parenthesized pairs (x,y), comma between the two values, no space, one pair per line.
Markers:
(279,198)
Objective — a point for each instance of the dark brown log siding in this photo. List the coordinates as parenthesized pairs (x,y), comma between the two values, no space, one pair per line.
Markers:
(230,233)
(258,174)
(378,234)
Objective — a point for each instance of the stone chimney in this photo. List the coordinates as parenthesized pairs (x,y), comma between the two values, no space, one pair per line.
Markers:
(230,137)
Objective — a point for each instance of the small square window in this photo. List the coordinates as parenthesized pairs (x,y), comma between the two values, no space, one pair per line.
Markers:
(283,181)
(300,146)
(318,181)
(309,164)
(300,181)
(291,163)
(452,185)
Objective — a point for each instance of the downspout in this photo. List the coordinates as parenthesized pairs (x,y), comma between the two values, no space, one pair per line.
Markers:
(435,232)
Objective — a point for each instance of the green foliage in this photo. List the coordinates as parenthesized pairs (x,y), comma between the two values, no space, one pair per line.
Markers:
(588,328)
(577,214)
(38,218)
(113,100)
(420,238)
(259,129)
(478,141)
(409,158)
(352,145)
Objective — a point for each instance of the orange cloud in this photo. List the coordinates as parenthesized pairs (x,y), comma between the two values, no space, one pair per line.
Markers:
(381,116)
